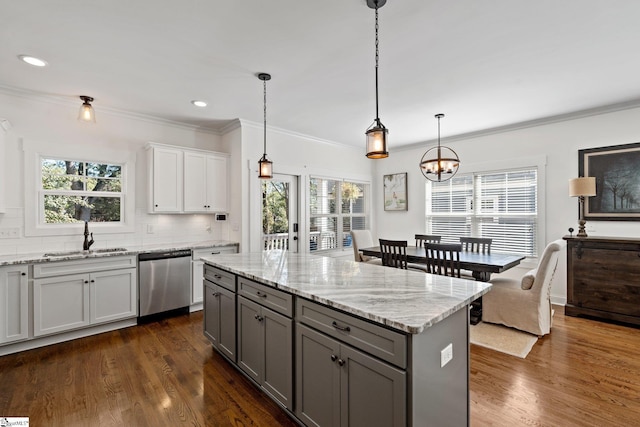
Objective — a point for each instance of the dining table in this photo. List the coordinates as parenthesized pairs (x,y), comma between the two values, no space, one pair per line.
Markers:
(481,265)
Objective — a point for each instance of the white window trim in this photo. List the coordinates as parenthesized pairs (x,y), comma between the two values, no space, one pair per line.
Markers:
(366,214)
(539,162)
(33,153)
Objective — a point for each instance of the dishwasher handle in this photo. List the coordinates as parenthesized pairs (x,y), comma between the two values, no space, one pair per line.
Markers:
(150,256)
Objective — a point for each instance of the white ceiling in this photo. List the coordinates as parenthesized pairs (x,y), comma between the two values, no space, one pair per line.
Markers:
(484,64)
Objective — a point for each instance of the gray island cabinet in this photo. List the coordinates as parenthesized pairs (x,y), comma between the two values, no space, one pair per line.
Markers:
(339,343)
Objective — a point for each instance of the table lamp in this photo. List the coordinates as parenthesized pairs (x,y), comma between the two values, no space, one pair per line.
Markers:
(582,187)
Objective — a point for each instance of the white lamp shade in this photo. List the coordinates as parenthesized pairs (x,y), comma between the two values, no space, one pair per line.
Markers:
(583,186)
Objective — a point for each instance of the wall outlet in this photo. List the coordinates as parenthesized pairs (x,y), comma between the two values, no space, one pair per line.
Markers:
(446,355)
(10,233)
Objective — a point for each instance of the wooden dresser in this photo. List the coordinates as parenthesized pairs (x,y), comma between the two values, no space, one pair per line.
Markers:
(603,278)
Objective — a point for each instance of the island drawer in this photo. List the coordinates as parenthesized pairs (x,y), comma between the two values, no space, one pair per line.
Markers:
(220,277)
(376,340)
(278,301)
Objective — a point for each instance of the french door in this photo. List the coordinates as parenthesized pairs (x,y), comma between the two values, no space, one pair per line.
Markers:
(280,213)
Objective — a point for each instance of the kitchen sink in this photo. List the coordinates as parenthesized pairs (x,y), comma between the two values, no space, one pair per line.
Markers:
(89,252)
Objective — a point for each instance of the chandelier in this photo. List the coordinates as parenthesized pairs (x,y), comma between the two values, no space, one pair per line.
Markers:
(439,163)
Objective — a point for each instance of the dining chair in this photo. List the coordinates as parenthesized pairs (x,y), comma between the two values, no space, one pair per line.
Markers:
(421,239)
(443,258)
(480,245)
(394,253)
(524,301)
(363,239)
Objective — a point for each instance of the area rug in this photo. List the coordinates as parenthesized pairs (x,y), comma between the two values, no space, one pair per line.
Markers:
(502,339)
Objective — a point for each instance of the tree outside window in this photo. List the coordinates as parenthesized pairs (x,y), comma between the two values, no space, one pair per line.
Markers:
(75,191)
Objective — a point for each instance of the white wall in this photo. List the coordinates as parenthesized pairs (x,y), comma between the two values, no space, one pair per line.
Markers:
(558,143)
(50,122)
(292,154)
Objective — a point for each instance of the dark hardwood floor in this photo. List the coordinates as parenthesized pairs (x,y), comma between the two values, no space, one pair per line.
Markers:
(165,373)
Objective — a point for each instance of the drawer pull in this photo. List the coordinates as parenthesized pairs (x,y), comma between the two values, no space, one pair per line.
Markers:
(341,328)
(217,276)
(258,318)
(216,294)
(215,253)
(260,294)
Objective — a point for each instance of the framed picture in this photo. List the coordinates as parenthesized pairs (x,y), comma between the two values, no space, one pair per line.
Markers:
(617,172)
(395,192)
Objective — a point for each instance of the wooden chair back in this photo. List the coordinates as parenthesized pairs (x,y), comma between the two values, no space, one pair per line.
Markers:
(394,253)
(421,239)
(480,245)
(443,258)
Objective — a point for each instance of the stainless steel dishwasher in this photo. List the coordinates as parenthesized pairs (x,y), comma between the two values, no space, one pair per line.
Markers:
(164,280)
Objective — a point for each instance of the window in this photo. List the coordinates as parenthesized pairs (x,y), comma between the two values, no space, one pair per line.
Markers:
(336,207)
(500,205)
(74,191)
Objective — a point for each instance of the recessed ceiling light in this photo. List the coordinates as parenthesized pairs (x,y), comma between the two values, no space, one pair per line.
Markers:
(199,103)
(32,60)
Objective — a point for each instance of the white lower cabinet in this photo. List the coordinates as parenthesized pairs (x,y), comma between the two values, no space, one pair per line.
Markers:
(102,290)
(197,268)
(113,295)
(14,304)
(60,304)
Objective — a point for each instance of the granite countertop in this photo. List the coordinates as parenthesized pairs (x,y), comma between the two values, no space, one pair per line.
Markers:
(405,300)
(37,257)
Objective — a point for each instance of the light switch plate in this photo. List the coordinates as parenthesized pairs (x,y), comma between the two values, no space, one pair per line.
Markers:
(446,355)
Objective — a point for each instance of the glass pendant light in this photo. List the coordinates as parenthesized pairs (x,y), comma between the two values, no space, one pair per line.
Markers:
(265,166)
(86,114)
(377,132)
(439,163)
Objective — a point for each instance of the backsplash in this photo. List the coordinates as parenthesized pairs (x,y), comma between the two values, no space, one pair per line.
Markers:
(149,229)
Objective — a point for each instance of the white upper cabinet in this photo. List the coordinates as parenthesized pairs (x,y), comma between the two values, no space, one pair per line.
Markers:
(165,179)
(187,181)
(205,182)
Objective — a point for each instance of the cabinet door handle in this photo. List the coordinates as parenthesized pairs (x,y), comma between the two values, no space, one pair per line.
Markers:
(216,294)
(86,281)
(261,295)
(341,328)
(341,362)
(24,274)
(93,281)
(156,206)
(334,357)
(258,318)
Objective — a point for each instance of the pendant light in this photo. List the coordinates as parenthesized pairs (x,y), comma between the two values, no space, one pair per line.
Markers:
(86,114)
(377,132)
(265,166)
(439,163)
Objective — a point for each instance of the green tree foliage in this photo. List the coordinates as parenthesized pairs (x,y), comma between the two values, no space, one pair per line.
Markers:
(275,207)
(84,178)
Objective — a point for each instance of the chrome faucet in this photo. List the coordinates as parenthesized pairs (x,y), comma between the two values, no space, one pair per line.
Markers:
(87,243)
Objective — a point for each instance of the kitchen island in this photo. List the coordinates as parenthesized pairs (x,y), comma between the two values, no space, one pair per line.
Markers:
(336,342)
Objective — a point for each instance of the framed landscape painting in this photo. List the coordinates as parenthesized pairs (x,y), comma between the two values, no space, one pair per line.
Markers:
(617,172)
(395,192)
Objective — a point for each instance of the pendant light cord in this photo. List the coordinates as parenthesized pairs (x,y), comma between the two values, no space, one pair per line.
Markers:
(377,60)
(264,83)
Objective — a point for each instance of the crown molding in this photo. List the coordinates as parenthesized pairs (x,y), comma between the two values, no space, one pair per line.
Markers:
(589,112)
(117,112)
(259,126)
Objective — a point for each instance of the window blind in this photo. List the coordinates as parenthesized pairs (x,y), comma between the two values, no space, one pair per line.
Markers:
(500,205)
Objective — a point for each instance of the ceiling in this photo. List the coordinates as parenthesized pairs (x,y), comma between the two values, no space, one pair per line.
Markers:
(484,64)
